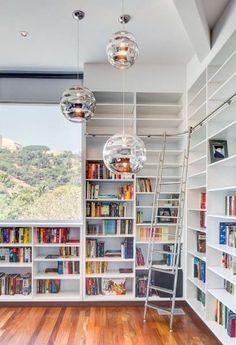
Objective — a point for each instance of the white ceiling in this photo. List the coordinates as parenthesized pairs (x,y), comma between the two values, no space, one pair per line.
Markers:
(213,10)
(51,44)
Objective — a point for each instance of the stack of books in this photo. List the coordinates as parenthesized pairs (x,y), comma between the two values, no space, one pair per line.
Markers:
(68,267)
(15,283)
(227,234)
(199,269)
(94,248)
(201,297)
(45,286)
(143,185)
(230,287)
(16,254)
(96,267)
(102,209)
(52,235)
(15,235)
(229,262)
(118,227)
(230,205)
(97,170)
(201,242)
(93,286)
(139,257)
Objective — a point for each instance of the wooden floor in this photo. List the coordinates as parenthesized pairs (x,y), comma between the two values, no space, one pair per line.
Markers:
(98,326)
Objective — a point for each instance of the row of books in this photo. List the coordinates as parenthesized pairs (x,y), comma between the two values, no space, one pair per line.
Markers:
(95,248)
(105,286)
(225,317)
(15,235)
(124,192)
(139,217)
(230,205)
(139,257)
(100,209)
(230,287)
(54,235)
(118,227)
(201,297)
(66,252)
(229,262)
(16,254)
(202,219)
(141,287)
(201,242)
(15,284)
(143,185)
(161,234)
(203,201)
(68,267)
(96,267)
(45,286)
(97,170)
(199,269)
(227,234)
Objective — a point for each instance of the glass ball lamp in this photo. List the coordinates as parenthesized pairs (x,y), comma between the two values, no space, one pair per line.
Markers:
(124,154)
(122,50)
(78,104)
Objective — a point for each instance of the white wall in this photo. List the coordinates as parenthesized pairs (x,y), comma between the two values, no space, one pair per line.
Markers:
(222,31)
(147,78)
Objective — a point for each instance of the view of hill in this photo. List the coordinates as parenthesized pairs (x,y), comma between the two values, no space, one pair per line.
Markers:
(38,183)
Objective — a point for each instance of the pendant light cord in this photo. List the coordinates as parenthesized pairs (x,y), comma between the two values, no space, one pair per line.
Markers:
(123,99)
(123,71)
(77,38)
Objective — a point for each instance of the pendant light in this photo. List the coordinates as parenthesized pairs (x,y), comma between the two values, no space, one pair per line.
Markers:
(78,103)
(122,49)
(124,153)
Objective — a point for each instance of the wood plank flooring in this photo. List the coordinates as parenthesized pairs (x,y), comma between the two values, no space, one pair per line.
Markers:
(99,326)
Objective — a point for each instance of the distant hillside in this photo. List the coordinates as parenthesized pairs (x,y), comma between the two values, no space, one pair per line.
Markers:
(28,173)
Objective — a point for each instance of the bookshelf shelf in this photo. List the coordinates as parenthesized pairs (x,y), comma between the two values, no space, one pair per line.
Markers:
(60,296)
(109,180)
(223,248)
(110,236)
(128,296)
(199,160)
(43,258)
(107,218)
(15,264)
(224,273)
(201,256)
(110,275)
(197,229)
(220,332)
(109,259)
(197,209)
(227,162)
(222,216)
(198,283)
(111,200)
(54,245)
(16,298)
(16,245)
(43,275)
(224,297)
(197,307)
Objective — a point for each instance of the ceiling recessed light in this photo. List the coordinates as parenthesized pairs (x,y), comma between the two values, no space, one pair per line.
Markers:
(24,33)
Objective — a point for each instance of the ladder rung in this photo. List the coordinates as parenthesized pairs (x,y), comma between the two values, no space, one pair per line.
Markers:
(158,288)
(153,306)
(170,183)
(164,252)
(162,270)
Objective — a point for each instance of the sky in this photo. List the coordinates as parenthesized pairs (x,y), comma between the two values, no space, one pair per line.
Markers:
(29,124)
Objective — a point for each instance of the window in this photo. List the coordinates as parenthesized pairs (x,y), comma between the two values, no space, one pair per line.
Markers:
(40,164)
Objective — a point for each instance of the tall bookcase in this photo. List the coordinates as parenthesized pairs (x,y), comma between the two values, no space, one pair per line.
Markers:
(145,114)
(213,87)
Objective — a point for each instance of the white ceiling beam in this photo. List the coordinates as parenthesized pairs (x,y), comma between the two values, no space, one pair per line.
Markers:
(193,17)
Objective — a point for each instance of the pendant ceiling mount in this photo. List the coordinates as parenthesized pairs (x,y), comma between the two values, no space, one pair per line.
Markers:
(78,15)
(124,18)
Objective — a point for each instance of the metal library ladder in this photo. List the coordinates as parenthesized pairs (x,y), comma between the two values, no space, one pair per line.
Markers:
(172,270)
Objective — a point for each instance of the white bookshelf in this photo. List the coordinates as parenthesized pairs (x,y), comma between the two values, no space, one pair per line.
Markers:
(218,179)
(38,262)
(152,114)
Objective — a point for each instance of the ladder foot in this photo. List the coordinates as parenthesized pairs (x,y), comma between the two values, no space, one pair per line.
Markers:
(144,320)
(171,330)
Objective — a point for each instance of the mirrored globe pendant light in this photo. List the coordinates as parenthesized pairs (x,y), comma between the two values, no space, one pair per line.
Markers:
(78,103)
(124,153)
(122,49)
